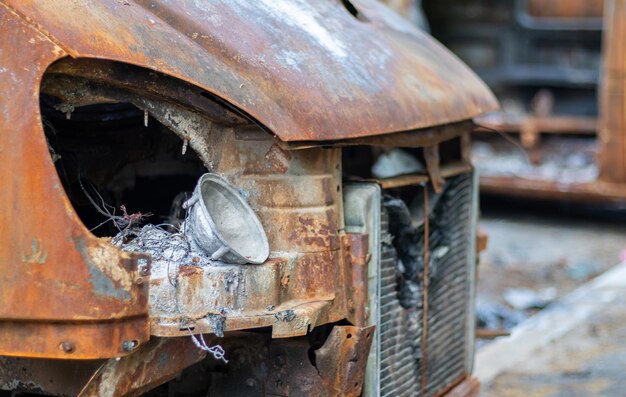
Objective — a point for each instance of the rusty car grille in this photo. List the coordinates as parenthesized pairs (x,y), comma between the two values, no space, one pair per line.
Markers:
(448,340)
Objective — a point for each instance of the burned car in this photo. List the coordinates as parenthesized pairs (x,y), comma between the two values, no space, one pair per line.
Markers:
(234,198)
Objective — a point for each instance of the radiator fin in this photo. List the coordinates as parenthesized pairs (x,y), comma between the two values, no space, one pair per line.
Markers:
(448,295)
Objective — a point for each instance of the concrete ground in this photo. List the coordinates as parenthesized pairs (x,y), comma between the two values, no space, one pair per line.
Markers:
(577,345)
(544,245)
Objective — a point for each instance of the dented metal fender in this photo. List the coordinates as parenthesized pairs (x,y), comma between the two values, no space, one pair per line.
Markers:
(306,70)
(63,292)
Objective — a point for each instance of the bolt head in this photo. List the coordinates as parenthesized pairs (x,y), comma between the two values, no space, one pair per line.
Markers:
(67,346)
(129,345)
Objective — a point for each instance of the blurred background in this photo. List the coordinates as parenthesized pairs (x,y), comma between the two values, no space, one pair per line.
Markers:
(552,165)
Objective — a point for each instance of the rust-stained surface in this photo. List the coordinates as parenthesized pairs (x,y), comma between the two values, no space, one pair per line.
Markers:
(414,139)
(431,157)
(425,302)
(363,77)
(446,171)
(306,72)
(297,194)
(71,339)
(297,197)
(51,267)
(565,8)
(612,131)
(341,360)
(153,364)
(393,79)
(357,257)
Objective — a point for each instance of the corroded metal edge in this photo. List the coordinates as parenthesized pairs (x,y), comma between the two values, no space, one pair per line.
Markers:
(363,77)
(52,269)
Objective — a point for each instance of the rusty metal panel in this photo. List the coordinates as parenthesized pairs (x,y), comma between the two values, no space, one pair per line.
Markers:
(307,282)
(341,360)
(357,252)
(308,71)
(155,363)
(51,267)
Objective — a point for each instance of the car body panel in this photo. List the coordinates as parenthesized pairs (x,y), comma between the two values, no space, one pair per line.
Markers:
(307,71)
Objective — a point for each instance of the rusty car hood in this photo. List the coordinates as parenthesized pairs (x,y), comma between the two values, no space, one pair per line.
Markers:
(306,70)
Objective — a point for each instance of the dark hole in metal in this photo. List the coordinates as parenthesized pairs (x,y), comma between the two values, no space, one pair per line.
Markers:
(351,8)
(311,355)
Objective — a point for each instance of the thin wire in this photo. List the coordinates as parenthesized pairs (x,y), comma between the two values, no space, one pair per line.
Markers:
(100,224)
(509,139)
(118,221)
(165,246)
(170,225)
(217,351)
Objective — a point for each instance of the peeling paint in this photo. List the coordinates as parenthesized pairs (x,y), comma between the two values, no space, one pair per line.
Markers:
(37,255)
(104,286)
(107,277)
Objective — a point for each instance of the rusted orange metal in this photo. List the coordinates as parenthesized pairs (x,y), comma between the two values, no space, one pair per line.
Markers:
(425,283)
(297,195)
(362,77)
(298,200)
(153,364)
(306,72)
(612,132)
(54,270)
(341,360)
(357,256)
(51,268)
(482,240)
(156,362)
(565,8)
